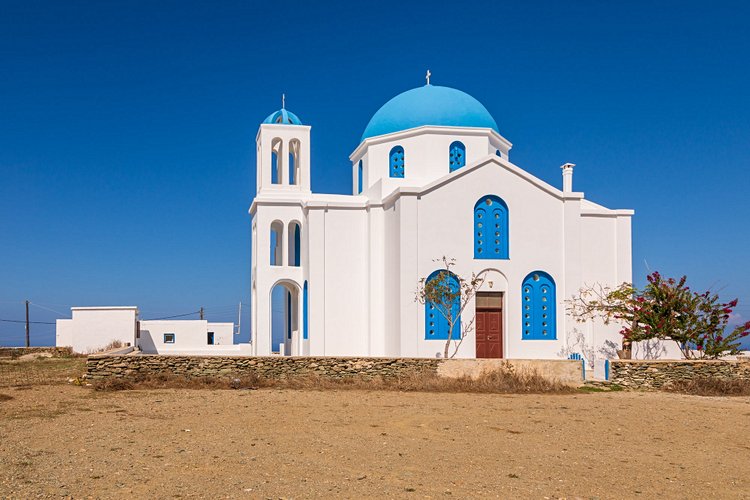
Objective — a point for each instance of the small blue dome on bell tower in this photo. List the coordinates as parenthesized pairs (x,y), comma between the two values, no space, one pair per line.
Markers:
(283,117)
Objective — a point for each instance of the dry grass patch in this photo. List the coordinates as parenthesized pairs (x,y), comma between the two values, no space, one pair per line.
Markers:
(508,381)
(43,371)
(710,386)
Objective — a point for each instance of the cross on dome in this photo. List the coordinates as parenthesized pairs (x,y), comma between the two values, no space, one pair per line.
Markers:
(427,76)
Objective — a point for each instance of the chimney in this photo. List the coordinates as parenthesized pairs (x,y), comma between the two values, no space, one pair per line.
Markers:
(567,172)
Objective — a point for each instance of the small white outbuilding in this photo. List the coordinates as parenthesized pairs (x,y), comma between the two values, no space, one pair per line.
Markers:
(93,329)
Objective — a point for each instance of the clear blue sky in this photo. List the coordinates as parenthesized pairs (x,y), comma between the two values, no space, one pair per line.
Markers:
(127,129)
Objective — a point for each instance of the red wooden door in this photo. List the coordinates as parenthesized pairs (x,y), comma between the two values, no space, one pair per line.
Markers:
(489,333)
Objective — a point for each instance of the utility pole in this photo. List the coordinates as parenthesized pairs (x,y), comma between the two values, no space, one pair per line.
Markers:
(201,312)
(27,323)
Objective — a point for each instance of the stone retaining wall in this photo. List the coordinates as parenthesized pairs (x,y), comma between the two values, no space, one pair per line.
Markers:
(108,365)
(653,374)
(15,352)
(270,367)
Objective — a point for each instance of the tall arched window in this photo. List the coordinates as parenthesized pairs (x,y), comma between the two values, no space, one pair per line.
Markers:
(538,297)
(359,177)
(397,162)
(305,335)
(436,325)
(294,244)
(490,228)
(457,155)
(277,233)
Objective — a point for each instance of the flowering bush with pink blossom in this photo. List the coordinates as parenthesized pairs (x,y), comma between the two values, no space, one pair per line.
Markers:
(666,309)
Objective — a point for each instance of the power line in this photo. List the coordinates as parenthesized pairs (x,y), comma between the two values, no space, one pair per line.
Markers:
(32,322)
(175,316)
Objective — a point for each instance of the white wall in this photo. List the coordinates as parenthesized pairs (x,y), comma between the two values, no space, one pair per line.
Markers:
(191,337)
(92,328)
(364,255)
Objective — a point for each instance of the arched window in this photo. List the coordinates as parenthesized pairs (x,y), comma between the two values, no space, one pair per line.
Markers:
(294,147)
(293,250)
(436,325)
(490,228)
(538,297)
(359,177)
(457,155)
(397,162)
(276,174)
(277,233)
(305,335)
(498,153)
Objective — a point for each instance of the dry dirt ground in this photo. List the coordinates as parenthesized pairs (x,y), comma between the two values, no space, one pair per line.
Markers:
(60,440)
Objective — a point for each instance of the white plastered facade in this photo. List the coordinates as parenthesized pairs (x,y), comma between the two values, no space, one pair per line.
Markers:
(362,255)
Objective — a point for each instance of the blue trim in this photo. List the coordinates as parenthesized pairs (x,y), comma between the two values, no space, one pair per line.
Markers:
(288,314)
(435,325)
(491,228)
(577,357)
(174,337)
(456,155)
(396,161)
(359,178)
(538,294)
(297,245)
(606,369)
(210,337)
(304,312)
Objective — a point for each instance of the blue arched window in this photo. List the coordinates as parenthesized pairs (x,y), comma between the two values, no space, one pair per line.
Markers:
(538,297)
(397,161)
(491,228)
(359,177)
(305,335)
(457,155)
(436,325)
(498,153)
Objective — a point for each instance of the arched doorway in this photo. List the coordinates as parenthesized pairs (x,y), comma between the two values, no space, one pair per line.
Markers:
(285,326)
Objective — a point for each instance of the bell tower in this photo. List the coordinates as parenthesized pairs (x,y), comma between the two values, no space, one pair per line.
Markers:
(283,154)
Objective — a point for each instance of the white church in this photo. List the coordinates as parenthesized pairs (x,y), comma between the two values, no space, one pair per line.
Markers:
(431,177)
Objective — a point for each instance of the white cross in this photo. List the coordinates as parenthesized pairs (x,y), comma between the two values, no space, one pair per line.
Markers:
(428,76)
(283,101)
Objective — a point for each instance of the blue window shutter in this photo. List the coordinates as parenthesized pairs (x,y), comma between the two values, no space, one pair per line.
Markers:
(288,315)
(304,312)
(457,155)
(436,327)
(359,177)
(538,298)
(491,228)
(297,245)
(396,161)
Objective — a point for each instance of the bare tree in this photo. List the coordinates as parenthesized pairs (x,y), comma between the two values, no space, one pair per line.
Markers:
(449,294)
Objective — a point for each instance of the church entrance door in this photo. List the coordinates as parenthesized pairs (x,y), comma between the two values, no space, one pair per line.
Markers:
(489,332)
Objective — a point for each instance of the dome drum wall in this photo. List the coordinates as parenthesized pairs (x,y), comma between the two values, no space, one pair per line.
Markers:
(426,154)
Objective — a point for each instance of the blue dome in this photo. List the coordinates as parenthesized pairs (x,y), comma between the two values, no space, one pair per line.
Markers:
(429,105)
(283,117)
